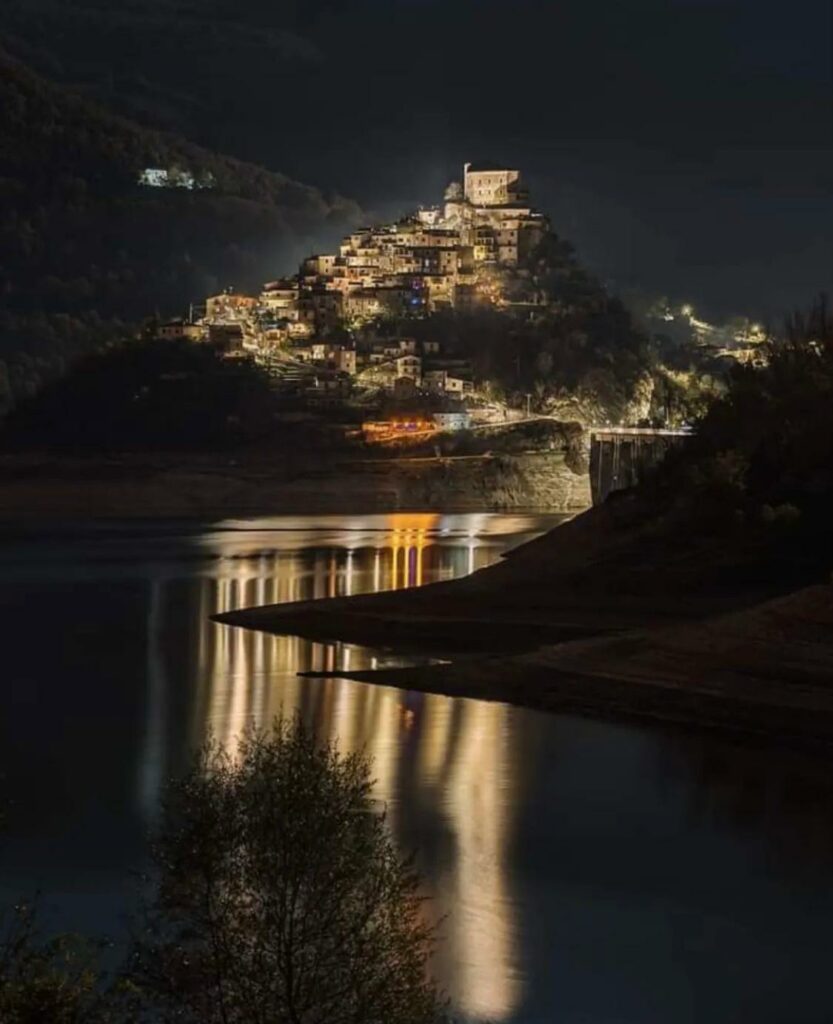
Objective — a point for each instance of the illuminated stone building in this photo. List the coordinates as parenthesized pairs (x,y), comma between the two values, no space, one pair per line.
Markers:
(281,298)
(448,256)
(181,328)
(487,185)
(433,258)
(229,308)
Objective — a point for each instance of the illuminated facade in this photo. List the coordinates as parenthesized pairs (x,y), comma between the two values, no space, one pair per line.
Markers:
(449,256)
(488,185)
(175,177)
(434,258)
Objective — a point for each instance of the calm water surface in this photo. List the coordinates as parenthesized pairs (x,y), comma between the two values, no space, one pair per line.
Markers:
(590,872)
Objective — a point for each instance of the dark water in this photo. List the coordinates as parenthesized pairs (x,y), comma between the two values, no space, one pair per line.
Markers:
(591,872)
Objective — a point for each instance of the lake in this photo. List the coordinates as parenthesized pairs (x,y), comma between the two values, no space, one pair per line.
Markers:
(590,872)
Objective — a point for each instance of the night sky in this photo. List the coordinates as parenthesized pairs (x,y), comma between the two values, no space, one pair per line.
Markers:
(685,146)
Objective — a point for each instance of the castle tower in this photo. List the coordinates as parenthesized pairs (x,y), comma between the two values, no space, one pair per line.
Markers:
(487,184)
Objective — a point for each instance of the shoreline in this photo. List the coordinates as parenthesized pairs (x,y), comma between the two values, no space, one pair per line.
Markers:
(611,699)
(625,675)
(199,487)
(55,524)
(591,677)
(572,622)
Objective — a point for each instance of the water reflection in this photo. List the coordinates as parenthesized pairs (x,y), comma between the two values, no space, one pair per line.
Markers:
(589,871)
(783,802)
(484,932)
(439,765)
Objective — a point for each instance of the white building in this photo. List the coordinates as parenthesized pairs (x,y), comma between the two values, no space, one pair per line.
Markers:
(452,420)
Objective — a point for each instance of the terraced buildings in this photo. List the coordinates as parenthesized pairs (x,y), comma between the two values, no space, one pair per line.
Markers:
(450,255)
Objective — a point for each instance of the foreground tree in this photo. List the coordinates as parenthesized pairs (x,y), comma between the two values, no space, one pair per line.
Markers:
(768,441)
(57,981)
(156,395)
(281,897)
(756,480)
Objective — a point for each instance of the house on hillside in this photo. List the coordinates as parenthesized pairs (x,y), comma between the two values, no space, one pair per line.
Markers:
(409,366)
(181,328)
(227,338)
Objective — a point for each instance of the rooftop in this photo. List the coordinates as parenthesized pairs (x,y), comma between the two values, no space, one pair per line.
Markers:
(487,165)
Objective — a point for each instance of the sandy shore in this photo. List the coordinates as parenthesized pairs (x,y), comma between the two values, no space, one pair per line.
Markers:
(766,671)
(604,617)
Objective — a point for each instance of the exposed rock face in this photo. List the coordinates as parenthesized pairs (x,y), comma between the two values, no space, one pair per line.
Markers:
(541,480)
(638,410)
(190,486)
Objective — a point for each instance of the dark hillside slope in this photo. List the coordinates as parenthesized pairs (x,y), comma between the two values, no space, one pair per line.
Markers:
(86,250)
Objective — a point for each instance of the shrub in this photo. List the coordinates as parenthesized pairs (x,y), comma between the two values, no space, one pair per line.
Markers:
(281,896)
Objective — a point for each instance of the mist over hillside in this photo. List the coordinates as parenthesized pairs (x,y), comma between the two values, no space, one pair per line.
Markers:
(86,252)
(705,181)
(179,64)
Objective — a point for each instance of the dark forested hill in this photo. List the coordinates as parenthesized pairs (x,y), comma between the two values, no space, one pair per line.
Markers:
(86,252)
(191,66)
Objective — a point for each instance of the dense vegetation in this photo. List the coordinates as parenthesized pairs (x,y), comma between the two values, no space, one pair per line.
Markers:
(281,896)
(175,63)
(86,252)
(761,464)
(151,395)
(570,346)
(57,980)
(278,895)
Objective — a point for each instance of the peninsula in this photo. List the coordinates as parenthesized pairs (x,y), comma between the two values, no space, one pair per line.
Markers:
(605,615)
(701,595)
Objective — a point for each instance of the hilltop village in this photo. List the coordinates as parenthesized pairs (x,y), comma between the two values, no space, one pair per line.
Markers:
(359,328)
(314,330)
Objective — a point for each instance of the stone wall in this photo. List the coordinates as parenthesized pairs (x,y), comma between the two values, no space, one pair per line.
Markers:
(539,480)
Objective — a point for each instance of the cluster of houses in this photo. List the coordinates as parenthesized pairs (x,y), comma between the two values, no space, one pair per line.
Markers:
(448,256)
(738,339)
(402,366)
(440,257)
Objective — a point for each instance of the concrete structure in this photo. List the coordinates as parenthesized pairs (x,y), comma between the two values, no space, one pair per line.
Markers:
(618,456)
(459,420)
